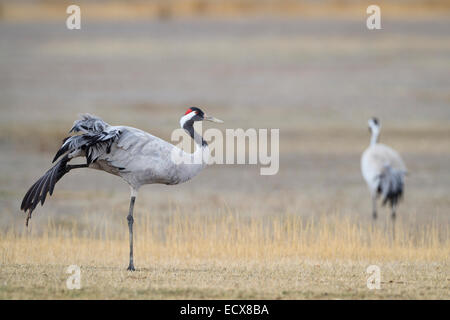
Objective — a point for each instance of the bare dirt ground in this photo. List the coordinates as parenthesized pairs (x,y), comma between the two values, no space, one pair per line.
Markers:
(316,80)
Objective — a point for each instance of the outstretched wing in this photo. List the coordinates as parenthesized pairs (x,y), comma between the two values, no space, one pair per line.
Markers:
(38,191)
(95,139)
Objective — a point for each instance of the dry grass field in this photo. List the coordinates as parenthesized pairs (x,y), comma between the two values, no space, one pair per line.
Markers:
(226,256)
(229,233)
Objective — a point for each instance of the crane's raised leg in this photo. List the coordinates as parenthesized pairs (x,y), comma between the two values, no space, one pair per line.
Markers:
(130,228)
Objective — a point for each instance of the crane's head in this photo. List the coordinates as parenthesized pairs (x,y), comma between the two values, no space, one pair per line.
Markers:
(195,114)
(374,125)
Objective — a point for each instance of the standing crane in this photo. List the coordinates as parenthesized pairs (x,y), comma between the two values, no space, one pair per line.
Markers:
(384,171)
(136,156)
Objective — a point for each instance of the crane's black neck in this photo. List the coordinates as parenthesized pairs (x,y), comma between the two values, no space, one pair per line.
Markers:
(189,127)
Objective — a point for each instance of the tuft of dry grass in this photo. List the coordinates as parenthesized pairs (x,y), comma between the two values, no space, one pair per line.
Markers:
(228,256)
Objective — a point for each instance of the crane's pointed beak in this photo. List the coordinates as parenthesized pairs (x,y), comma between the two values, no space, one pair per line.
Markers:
(212,119)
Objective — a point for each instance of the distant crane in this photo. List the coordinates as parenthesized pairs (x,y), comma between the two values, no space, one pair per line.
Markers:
(384,171)
(136,156)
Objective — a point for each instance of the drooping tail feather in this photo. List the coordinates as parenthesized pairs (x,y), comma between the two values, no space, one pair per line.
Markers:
(391,185)
(46,184)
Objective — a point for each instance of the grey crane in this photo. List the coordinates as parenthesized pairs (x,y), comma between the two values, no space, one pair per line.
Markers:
(136,156)
(384,171)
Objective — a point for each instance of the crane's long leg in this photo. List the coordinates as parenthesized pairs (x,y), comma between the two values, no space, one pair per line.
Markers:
(374,206)
(393,216)
(130,228)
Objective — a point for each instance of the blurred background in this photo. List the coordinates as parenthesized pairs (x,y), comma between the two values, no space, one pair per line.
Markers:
(310,68)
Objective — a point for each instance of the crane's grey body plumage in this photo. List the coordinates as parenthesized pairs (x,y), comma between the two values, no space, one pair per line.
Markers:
(136,156)
(383,170)
(150,161)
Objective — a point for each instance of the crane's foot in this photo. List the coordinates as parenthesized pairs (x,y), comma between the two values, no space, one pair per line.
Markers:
(131,268)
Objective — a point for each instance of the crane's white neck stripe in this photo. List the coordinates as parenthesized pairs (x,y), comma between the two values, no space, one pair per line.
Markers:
(186,118)
(375,134)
